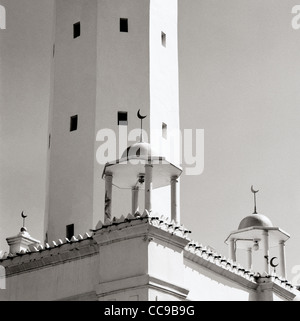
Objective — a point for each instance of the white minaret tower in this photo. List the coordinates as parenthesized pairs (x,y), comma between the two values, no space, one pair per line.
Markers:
(110,58)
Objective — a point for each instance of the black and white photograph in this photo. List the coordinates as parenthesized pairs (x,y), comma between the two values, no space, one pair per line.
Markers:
(149,151)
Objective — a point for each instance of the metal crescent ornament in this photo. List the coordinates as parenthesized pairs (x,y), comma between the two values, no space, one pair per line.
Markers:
(23,215)
(140,116)
(253,190)
(272,264)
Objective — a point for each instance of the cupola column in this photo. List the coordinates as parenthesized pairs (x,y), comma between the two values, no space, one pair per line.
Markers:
(249,255)
(148,187)
(266,251)
(135,200)
(108,195)
(232,252)
(282,259)
(174,200)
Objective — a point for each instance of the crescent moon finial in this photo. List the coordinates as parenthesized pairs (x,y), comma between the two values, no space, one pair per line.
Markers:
(271,262)
(274,265)
(141,118)
(23,215)
(24,218)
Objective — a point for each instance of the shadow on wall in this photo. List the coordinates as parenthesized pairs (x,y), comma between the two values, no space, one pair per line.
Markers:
(2,17)
(2,278)
(207,285)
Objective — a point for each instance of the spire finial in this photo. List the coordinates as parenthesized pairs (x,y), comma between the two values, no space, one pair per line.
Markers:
(141,118)
(24,218)
(254,192)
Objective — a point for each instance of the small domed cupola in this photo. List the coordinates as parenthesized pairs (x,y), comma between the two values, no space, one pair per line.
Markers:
(257,232)
(141,168)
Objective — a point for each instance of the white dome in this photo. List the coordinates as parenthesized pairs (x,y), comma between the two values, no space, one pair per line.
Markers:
(255,220)
(140,150)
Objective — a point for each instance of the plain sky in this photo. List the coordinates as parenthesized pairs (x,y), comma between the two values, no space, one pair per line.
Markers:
(239,81)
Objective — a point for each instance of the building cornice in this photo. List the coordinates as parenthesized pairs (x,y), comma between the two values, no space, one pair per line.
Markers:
(223,267)
(141,281)
(145,226)
(43,257)
(58,252)
(231,270)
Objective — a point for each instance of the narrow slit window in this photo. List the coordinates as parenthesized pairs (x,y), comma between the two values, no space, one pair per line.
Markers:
(69,231)
(122,118)
(163,39)
(76,30)
(123,25)
(74,123)
(164,130)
